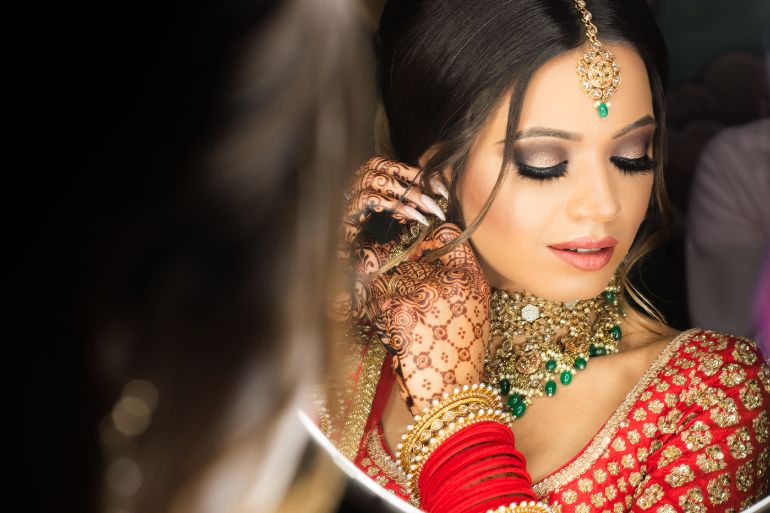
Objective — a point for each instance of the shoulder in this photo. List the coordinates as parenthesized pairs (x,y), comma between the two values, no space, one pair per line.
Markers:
(720,367)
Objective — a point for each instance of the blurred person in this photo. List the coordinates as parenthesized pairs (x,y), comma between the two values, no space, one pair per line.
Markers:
(505,363)
(194,235)
(728,228)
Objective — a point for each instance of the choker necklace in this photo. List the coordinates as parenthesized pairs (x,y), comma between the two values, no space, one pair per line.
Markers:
(531,369)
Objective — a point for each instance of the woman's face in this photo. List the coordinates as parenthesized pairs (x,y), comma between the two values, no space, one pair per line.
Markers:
(570,207)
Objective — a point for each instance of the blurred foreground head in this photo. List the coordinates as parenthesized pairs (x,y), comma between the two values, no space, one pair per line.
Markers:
(229,179)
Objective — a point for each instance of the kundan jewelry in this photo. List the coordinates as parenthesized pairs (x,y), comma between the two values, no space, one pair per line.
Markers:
(533,367)
(597,69)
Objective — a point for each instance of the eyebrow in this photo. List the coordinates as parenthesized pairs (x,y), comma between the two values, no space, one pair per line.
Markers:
(572,136)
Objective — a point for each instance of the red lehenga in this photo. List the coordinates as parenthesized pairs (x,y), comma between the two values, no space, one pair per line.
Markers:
(691,436)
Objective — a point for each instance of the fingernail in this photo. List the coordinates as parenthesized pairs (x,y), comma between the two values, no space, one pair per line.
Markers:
(409,211)
(439,188)
(433,206)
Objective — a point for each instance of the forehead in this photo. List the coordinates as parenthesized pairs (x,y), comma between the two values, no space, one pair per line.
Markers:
(554,97)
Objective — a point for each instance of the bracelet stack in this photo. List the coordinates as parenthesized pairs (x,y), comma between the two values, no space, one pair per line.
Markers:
(466,406)
(522,507)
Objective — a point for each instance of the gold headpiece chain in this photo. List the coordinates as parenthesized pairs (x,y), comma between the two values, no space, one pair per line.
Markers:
(597,69)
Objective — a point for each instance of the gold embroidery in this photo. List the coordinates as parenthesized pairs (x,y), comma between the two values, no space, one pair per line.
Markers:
(751,397)
(613,468)
(740,443)
(679,475)
(642,453)
(582,508)
(388,465)
(353,431)
(669,454)
(692,501)
(598,500)
(640,414)
(622,484)
(655,406)
(634,436)
(600,476)
(600,442)
(764,377)
(662,386)
(655,445)
(649,429)
(619,444)
(617,508)
(646,395)
(667,423)
(611,492)
(671,400)
(585,485)
(710,364)
(719,489)
(725,413)
(744,476)
(711,459)
(569,497)
(697,436)
(650,496)
(762,462)
(627,461)
(744,353)
(635,478)
(732,374)
(666,508)
(761,427)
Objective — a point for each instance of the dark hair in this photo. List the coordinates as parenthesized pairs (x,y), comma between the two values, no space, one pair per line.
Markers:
(444,65)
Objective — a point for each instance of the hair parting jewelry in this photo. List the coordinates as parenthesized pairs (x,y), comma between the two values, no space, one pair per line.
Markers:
(598,70)
(465,406)
(531,369)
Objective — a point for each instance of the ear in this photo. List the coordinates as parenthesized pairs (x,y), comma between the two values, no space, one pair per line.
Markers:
(446,174)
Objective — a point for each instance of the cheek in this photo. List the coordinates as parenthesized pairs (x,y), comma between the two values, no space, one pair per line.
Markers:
(635,193)
(514,228)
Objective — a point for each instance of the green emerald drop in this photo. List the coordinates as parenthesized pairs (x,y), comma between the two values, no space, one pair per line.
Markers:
(565,378)
(550,365)
(580,363)
(601,351)
(592,350)
(615,332)
(519,409)
(603,110)
(550,388)
(513,400)
(609,296)
(505,386)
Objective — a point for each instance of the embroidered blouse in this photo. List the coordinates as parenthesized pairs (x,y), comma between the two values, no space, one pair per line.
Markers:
(691,436)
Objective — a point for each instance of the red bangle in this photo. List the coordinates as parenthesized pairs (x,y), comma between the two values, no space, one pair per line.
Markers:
(476,469)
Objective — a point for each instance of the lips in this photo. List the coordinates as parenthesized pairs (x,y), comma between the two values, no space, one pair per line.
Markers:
(586,253)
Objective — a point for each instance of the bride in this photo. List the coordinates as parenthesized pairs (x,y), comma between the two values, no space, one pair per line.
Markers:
(526,179)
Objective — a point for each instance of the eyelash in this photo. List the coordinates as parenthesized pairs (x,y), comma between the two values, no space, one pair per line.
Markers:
(626,166)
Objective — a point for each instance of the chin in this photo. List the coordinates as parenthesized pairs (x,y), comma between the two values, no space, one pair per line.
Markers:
(570,285)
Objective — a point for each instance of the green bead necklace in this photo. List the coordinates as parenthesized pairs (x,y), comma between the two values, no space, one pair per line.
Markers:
(533,368)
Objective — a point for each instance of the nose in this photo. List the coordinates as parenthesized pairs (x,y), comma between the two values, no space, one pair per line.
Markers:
(595,197)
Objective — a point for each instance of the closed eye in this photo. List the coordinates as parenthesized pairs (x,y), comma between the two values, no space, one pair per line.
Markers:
(643,164)
(542,174)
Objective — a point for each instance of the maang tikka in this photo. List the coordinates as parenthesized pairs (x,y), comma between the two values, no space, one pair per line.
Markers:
(597,69)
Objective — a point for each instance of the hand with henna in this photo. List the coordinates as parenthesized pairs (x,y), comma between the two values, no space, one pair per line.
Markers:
(380,185)
(433,317)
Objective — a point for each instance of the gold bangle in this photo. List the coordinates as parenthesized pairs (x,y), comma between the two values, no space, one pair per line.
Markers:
(522,507)
(456,411)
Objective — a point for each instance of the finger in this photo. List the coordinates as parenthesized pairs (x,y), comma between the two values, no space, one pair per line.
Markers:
(460,255)
(391,186)
(365,202)
(439,187)
(400,170)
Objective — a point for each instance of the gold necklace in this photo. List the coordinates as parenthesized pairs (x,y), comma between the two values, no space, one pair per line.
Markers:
(531,369)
